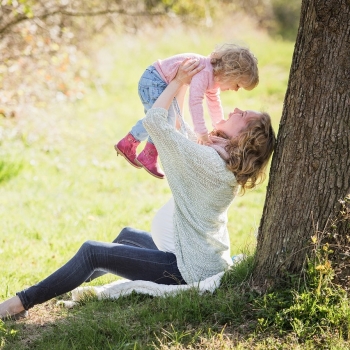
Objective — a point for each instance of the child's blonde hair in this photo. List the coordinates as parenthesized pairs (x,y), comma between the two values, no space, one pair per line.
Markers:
(232,62)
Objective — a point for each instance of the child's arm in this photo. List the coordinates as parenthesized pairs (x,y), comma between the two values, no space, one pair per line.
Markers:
(214,106)
(197,90)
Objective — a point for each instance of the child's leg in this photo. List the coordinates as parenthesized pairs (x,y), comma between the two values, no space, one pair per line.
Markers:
(148,158)
(150,87)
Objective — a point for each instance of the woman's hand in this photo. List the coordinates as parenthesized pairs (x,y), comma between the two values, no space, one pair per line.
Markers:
(187,69)
(204,140)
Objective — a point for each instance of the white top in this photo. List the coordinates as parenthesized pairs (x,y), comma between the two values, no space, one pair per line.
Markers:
(162,229)
(203,189)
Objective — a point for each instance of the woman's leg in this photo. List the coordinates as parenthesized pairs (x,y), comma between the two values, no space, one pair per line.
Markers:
(131,262)
(132,237)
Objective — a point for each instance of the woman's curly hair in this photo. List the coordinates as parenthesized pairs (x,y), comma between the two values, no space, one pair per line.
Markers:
(232,62)
(250,151)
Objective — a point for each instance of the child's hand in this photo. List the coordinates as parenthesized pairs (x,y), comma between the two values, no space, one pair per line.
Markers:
(204,139)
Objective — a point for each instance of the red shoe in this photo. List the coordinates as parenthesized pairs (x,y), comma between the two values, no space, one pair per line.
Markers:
(148,160)
(126,147)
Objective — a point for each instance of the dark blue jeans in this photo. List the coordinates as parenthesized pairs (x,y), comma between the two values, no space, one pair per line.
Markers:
(132,255)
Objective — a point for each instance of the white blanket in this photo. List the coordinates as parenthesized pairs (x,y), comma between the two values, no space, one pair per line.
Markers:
(125,287)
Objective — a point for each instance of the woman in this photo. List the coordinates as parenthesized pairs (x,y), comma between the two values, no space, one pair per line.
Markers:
(189,240)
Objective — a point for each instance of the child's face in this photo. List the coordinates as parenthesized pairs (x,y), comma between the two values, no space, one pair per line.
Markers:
(232,85)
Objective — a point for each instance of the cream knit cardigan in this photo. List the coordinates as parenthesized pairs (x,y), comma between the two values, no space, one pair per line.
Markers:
(203,189)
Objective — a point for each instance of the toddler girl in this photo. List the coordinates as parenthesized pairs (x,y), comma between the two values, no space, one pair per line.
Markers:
(229,67)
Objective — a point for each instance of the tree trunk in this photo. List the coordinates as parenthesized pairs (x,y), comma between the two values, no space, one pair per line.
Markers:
(310,170)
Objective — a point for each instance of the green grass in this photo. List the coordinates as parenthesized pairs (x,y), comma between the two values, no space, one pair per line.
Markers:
(61,183)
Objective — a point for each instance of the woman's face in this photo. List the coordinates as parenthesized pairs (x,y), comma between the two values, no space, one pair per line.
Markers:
(236,121)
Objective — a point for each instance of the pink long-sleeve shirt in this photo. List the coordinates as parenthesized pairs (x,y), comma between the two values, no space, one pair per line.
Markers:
(202,84)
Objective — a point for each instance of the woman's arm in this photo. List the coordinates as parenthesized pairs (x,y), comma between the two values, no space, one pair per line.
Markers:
(180,97)
(186,71)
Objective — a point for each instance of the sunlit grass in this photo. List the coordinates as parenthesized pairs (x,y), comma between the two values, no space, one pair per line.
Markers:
(72,186)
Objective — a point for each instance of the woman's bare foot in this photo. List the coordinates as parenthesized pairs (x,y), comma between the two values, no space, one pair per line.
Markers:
(11,307)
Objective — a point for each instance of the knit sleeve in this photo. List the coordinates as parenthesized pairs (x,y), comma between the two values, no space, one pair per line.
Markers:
(190,133)
(180,157)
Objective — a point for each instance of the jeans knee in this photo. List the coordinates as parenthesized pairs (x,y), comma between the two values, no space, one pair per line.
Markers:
(86,247)
(123,234)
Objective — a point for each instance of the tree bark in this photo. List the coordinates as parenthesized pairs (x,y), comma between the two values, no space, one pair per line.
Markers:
(310,169)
